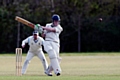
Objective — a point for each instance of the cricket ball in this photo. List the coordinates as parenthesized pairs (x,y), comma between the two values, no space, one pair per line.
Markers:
(100,19)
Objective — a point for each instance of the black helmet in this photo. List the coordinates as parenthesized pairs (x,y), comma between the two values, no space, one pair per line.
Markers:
(56,17)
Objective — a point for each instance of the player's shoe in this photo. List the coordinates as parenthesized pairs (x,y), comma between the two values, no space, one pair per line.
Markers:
(58,74)
(22,73)
(49,74)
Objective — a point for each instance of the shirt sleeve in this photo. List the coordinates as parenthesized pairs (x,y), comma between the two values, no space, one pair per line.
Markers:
(42,41)
(58,29)
(25,41)
(45,31)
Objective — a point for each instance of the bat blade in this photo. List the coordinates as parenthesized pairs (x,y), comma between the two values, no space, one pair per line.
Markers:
(26,22)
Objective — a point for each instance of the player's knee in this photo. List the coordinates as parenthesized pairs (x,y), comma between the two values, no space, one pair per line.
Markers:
(59,59)
(27,61)
(52,54)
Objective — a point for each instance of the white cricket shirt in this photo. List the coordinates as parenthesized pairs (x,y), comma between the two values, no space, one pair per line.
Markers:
(34,45)
(53,36)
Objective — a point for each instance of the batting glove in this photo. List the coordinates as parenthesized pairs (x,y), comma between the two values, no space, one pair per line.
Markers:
(38,28)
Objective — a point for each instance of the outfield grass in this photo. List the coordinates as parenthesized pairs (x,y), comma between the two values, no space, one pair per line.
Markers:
(84,66)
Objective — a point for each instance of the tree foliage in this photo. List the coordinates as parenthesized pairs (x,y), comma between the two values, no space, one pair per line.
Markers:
(79,19)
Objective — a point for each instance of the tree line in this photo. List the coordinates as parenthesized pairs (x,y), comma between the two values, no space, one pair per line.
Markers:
(83,31)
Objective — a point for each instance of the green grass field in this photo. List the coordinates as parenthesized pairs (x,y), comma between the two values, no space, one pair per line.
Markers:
(84,66)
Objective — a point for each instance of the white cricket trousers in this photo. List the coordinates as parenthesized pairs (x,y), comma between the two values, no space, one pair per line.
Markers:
(30,55)
(52,48)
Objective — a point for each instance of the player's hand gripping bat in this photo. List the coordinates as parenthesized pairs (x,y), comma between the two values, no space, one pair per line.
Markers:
(37,27)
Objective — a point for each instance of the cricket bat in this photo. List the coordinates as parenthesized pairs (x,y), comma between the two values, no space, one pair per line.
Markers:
(26,22)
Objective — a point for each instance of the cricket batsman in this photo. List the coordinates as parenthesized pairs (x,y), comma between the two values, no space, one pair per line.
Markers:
(52,44)
(35,43)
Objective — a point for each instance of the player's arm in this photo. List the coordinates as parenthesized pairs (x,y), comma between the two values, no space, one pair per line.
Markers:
(55,29)
(42,41)
(58,29)
(49,29)
(24,42)
(43,35)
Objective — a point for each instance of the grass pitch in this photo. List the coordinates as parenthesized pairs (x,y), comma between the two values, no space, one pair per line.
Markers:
(85,66)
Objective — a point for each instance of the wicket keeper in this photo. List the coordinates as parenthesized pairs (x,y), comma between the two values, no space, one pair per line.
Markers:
(35,43)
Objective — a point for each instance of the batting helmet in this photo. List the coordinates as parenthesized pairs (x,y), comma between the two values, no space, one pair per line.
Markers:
(56,17)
